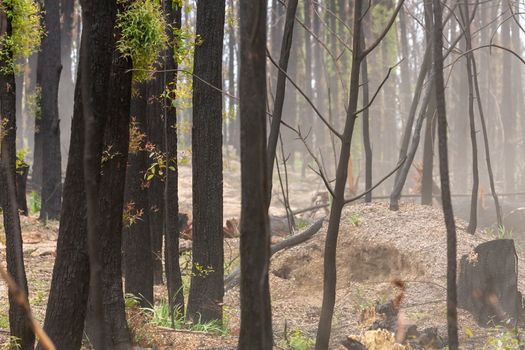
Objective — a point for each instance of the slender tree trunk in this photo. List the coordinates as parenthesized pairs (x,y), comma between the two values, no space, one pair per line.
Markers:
(18,322)
(473,222)
(286,47)
(452,319)
(366,127)
(171,197)
(138,260)
(329,282)
(207,289)
(508,109)
(427,181)
(50,67)
(256,318)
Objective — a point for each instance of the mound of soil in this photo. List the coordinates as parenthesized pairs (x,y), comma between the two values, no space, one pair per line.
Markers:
(407,245)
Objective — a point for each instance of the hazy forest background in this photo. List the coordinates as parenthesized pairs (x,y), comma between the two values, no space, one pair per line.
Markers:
(252,174)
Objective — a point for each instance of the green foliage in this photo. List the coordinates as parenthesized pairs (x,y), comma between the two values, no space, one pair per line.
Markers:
(21,163)
(142,36)
(26,32)
(353,219)
(34,202)
(130,214)
(505,340)
(131,301)
(33,103)
(301,223)
(500,233)
(4,320)
(297,340)
(160,316)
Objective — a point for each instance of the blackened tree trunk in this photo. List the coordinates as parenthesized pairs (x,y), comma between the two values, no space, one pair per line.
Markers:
(66,307)
(256,317)
(427,179)
(71,281)
(156,185)
(138,260)
(275,125)
(452,317)
(111,198)
(49,67)
(171,196)
(207,283)
(22,171)
(96,58)
(329,274)
(18,322)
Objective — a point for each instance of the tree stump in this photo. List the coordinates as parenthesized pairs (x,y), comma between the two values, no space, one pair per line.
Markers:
(488,283)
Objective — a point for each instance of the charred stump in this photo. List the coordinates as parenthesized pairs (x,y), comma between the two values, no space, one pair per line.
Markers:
(487,285)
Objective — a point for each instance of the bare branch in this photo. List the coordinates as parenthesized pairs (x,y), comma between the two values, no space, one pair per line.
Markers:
(385,31)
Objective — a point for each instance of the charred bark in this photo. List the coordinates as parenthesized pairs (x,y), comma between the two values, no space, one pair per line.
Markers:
(207,288)
(49,68)
(437,48)
(256,319)
(18,322)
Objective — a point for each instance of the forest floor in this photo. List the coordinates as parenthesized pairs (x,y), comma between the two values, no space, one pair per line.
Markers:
(375,247)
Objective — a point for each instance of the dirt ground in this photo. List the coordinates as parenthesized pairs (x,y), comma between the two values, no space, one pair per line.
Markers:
(375,246)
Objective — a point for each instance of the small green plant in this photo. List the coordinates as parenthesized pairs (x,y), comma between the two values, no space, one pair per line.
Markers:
(34,202)
(500,233)
(354,219)
(297,340)
(21,164)
(504,339)
(131,301)
(160,316)
(26,32)
(301,223)
(4,321)
(142,36)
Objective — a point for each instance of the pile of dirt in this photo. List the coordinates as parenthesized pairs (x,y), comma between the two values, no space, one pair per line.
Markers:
(375,247)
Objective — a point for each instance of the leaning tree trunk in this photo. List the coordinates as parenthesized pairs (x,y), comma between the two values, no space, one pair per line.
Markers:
(171,196)
(138,260)
(207,288)
(452,317)
(256,318)
(50,68)
(18,322)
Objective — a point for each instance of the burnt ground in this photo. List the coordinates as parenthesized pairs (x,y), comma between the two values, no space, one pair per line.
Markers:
(375,246)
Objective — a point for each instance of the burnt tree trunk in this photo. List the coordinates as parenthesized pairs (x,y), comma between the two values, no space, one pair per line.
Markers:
(18,323)
(171,196)
(487,285)
(49,67)
(138,260)
(156,185)
(256,318)
(437,48)
(66,307)
(207,289)
(275,126)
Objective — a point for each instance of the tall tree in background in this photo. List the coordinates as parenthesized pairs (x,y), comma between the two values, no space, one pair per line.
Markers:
(256,317)
(207,285)
(437,46)
(18,323)
(49,68)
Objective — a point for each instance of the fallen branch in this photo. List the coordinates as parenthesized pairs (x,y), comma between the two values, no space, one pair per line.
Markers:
(21,299)
(233,278)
